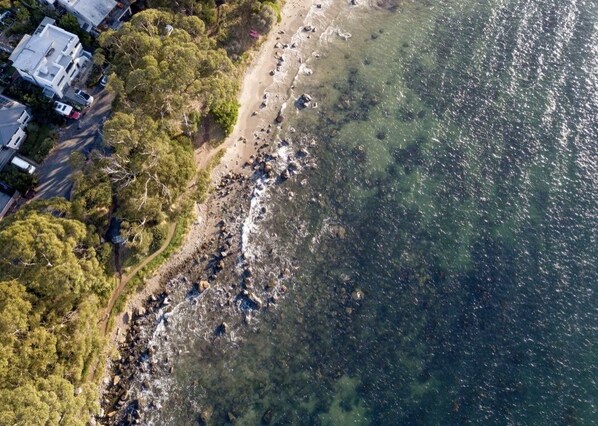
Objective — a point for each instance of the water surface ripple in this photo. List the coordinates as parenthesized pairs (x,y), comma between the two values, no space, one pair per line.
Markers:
(443,253)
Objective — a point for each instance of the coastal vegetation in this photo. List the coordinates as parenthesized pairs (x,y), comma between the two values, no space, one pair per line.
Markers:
(51,289)
(168,76)
(173,69)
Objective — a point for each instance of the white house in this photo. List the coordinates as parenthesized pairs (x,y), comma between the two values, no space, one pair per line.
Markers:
(50,58)
(14,118)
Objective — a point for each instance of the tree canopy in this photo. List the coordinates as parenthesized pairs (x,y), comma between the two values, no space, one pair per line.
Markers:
(166,79)
(148,168)
(171,75)
(52,287)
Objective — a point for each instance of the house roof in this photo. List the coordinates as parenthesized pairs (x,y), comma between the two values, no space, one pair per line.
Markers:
(6,154)
(5,200)
(10,112)
(38,52)
(94,11)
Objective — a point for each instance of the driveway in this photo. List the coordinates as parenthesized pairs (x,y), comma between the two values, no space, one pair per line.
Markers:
(55,172)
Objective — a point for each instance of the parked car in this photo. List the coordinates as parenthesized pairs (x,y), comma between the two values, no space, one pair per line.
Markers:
(85,96)
(66,110)
(104,80)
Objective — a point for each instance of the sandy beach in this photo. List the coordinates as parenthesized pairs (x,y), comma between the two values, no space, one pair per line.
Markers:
(266,89)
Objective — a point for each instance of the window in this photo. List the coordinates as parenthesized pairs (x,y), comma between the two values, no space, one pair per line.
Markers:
(61,80)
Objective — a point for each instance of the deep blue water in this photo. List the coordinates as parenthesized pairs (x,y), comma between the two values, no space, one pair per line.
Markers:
(444,251)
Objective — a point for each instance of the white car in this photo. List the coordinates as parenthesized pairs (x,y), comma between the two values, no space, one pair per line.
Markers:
(85,96)
(66,110)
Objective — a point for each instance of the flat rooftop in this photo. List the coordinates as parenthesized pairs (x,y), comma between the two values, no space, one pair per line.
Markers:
(94,11)
(41,48)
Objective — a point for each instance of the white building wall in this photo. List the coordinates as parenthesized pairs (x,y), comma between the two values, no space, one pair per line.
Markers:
(57,83)
(17,139)
(24,118)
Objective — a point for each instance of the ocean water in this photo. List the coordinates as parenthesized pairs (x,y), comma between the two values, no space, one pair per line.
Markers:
(440,260)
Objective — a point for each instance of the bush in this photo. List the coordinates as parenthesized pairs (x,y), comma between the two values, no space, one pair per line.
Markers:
(203,185)
(94,76)
(159,234)
(17,179)
(40,141)
(275,8)
(226,114)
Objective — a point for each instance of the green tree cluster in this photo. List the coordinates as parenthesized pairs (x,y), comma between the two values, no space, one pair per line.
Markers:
(6,4)
(148,169)
(203,9)
(170,75)
(92,194)
(51,289)
(165,82)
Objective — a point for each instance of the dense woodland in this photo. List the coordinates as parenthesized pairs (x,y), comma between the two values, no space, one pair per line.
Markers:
(55,268)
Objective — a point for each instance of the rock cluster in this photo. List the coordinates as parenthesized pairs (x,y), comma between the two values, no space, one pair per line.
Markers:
(303,101)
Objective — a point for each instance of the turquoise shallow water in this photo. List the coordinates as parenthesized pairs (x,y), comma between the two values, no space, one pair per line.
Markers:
(443,253)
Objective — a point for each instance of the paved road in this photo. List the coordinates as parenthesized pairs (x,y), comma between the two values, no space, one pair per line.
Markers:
(55,172)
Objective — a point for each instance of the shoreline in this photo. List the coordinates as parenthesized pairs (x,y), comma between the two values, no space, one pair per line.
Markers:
(263,95)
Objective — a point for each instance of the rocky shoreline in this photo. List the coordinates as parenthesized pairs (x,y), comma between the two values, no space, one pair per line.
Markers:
(212,270)
(218,274)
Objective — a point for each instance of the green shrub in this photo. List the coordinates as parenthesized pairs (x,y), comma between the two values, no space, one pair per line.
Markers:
(202,188)
(159,234)
(275,8)
(226,114)
(19,180)
(40,141)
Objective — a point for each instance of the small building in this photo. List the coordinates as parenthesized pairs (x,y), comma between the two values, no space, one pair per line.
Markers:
(49,58)
(14,117)
(95,15)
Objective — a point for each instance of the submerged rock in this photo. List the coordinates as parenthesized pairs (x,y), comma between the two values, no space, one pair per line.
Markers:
(222,328)
(206,414)
(255,300)
(357,295)
(268,416)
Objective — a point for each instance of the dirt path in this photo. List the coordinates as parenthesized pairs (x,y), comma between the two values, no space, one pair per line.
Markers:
(126,278)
